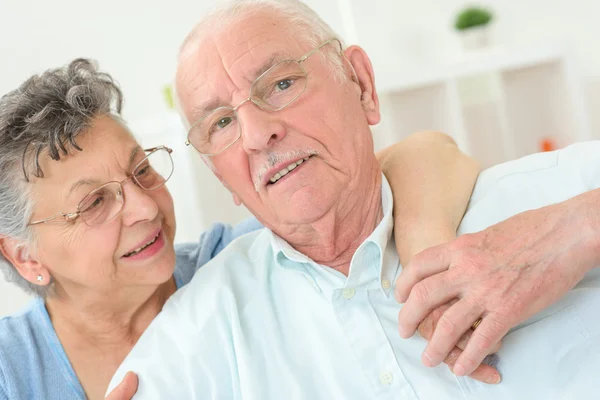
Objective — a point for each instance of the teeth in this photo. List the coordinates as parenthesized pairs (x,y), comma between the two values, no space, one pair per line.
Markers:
(284,171)
(141,248)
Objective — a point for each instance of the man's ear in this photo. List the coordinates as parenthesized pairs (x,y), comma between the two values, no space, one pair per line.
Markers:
(20,256)
(363,72)
(236,199)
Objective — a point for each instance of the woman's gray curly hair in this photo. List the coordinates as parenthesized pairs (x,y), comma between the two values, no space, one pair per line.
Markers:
(44,116)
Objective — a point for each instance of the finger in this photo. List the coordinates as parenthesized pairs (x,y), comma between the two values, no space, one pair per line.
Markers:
(126,389)
(428,262)
(483,373)
(427,326)
(424,297)
(483,341)
(486,374)
(453,324)
(464,340)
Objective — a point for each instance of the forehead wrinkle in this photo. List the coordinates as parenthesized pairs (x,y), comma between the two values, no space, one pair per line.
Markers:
(201,108)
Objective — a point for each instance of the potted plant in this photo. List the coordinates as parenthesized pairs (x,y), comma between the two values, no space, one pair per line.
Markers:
(472,23)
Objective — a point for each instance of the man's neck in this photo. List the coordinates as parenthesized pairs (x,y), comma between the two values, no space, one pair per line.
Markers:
(334,238)
(107,321)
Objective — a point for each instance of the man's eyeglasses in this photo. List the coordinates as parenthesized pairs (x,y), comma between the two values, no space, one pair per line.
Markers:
(105,202)
(275,89)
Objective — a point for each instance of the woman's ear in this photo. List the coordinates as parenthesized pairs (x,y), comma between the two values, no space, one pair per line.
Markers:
(20,256)
(363,72)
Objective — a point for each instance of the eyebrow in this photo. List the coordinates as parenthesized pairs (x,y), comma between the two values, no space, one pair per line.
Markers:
(88,181)
(134,153)
(205,107)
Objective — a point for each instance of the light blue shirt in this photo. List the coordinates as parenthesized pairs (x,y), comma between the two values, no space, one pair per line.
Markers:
(33,362)
(262,321)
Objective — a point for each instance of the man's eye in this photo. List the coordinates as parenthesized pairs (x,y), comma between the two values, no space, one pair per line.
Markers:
(284,84)
(222,123)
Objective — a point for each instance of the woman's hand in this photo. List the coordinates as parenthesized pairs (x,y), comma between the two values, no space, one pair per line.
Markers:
(126,388)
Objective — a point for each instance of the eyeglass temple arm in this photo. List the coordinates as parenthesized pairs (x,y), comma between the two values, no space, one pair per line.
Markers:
(66,218)
(313,51)
(150,150)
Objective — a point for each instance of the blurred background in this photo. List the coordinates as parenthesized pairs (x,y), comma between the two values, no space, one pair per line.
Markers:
(505,78)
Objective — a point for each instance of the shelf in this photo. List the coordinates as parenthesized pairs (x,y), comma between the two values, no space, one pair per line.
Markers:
(498,105)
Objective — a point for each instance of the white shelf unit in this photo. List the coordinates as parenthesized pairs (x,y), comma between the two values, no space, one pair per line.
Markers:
(497,105)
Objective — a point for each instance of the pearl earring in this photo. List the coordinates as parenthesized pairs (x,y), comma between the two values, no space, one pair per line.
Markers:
(40,278)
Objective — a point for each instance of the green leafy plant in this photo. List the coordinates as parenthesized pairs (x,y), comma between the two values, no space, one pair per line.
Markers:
(471,17)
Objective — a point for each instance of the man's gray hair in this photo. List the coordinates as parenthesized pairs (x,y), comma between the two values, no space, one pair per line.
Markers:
(43,117)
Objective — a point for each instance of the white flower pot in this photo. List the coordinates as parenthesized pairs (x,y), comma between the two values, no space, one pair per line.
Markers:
(475,38)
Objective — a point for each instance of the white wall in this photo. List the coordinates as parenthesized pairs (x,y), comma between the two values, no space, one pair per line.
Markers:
(136,41)
(403,36)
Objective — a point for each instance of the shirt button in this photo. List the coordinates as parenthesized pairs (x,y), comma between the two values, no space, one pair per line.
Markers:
(386,284)
(349,293)
(385,378)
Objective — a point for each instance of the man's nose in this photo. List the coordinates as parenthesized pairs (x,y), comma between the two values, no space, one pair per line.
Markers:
(260,129)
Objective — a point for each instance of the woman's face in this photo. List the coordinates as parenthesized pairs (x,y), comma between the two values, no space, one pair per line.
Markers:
(99,258)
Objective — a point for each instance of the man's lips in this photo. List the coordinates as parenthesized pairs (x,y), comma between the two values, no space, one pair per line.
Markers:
(280,170)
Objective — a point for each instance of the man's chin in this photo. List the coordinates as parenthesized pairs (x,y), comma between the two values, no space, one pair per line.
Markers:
(303,212)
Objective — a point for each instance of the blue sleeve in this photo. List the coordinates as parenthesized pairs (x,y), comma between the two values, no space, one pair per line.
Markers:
(3,394)
(191,256)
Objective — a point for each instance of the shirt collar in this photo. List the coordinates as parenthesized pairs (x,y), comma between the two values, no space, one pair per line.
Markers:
(385,260)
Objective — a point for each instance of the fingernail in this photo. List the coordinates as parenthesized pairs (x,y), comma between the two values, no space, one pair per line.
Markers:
(494,379)
(398,297)
(459,370)
(427,361)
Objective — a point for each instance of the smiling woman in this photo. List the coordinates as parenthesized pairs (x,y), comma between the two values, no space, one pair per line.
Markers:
(87,225)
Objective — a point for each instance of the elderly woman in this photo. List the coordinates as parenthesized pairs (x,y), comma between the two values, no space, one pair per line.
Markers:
(87,225)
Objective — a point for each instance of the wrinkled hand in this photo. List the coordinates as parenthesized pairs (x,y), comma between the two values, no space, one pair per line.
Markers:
(126,388)
(504,274)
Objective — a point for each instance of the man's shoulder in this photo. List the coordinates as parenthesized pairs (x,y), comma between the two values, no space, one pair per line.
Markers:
(574,161)
(195,323)
(230,275)
(531,182)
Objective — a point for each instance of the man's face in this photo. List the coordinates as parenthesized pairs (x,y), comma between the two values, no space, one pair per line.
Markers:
(328,122)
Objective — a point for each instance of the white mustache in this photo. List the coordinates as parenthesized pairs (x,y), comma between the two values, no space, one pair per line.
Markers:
(277,158)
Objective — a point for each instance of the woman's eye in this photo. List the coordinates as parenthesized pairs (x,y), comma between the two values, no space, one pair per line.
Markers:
(143,171)
(96,203)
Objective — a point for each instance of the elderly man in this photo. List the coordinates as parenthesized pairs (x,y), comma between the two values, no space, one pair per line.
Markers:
(306,308)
